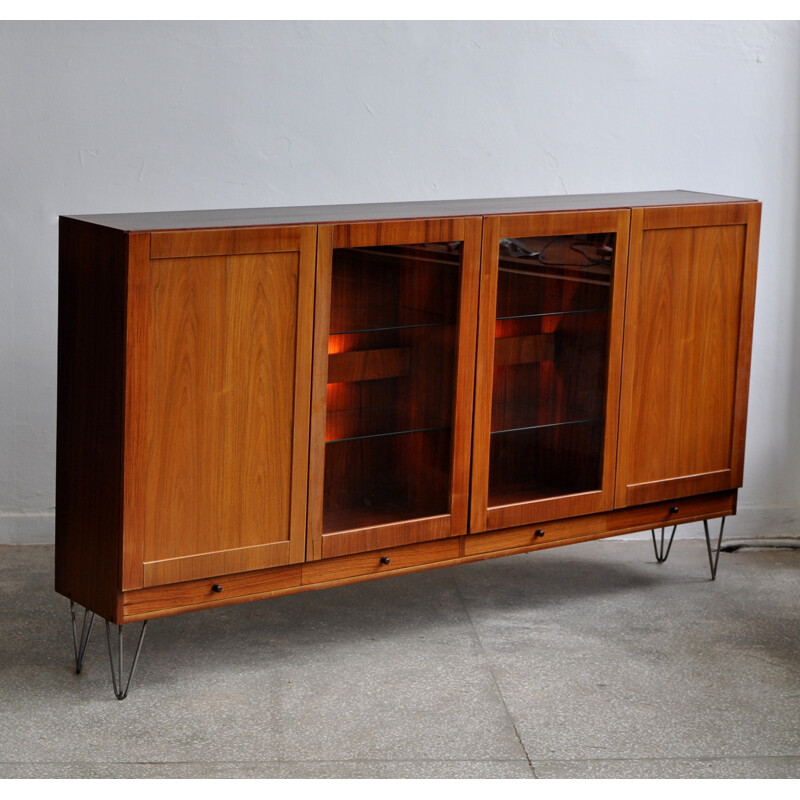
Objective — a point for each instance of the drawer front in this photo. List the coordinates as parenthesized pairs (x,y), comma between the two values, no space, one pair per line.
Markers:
(395,559)
(596,526)
(221,590)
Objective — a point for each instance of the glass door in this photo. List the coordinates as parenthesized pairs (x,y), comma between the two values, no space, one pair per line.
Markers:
(390,429)
(548,366)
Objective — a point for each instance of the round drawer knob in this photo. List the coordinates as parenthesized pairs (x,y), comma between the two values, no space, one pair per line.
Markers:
(385,559)
(538,532)
(216,588)
(674,510)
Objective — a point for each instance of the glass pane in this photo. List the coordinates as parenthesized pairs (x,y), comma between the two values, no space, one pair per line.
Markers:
(391,384)
(551,354)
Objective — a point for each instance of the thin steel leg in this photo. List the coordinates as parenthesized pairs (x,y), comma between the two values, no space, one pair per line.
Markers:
(712,561)
(661,556)
(116,672)
(80,642)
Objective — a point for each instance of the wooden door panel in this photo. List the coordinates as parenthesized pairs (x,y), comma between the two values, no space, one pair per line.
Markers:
(684,386)
(221,448)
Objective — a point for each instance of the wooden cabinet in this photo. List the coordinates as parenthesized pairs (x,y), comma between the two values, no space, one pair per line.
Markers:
(261,402)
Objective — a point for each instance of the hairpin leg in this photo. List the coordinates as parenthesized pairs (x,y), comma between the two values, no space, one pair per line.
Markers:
(116,672)
(661,555)
(712,561)
(80,642)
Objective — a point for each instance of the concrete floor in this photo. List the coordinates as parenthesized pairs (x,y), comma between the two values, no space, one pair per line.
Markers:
(587,661)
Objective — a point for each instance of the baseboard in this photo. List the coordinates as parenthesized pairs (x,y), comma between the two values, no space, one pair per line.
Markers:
(32,528)
(749,523)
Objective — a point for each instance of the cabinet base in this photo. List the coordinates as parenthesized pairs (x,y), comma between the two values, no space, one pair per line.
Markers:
(176,598)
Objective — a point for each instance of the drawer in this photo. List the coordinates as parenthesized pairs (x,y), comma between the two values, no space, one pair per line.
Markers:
(375,562)
(208,592)
(597,526)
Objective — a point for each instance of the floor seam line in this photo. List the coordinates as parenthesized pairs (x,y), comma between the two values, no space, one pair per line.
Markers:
(494,677)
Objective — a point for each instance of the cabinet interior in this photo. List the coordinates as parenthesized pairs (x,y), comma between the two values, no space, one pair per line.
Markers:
(550,357)
(391,378)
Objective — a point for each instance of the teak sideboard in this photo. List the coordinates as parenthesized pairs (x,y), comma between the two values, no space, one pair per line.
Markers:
(265,401)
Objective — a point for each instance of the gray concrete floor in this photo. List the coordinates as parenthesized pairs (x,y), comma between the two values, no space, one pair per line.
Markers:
(587,661)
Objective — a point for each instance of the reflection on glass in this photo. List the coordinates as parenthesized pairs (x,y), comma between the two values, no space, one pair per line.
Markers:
(391,383)
(549,385)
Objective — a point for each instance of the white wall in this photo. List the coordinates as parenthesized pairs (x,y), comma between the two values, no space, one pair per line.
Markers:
(102,117)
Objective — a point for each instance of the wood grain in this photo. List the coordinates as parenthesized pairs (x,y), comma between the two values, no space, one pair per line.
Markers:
(219,385)
(220,562)
(178,598)
(690,286)
(746,314)
(563,531)
(137,399)
(225,242)
(189,595)
(368,365)
(319,392)
(91,408)
(195,380)
(524,349)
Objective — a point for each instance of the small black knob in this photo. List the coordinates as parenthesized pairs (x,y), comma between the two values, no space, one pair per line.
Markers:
(538,532)
(385,559)
(216,588)
(674,510)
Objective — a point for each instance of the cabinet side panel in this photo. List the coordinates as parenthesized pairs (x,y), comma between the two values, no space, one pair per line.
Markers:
(90,417)
(745,341)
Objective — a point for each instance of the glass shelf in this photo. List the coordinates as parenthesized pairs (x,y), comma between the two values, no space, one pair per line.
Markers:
(567,274)
(365,423)
(369,516)
(393,287)
(562,313)
(377,480)
(547,425)
(545,461)
(359,320)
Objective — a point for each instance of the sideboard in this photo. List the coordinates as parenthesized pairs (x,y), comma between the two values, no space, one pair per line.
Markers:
(257,402)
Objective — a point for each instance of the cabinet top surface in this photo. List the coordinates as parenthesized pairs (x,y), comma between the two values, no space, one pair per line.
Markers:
(308,215)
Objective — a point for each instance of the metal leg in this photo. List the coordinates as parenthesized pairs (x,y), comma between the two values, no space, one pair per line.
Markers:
(80,642)
(661,556)
(116,672)
(712,561)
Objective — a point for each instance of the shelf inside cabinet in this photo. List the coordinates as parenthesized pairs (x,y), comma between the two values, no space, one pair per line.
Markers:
(354,319)
(375,480)
(557,313)
(364,423)
(518,428)
(393,287)
(564,274)
(545,461)
(371,516)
